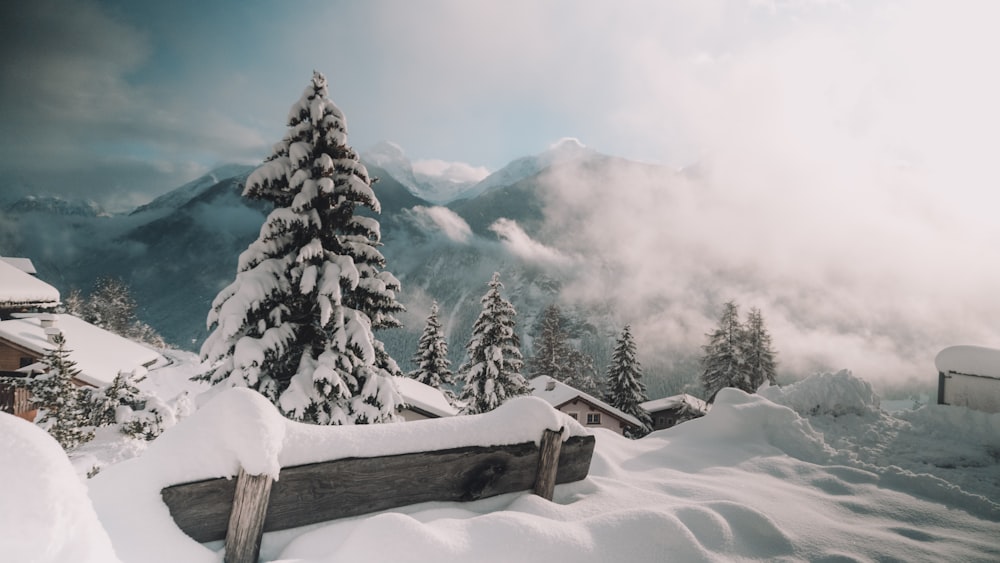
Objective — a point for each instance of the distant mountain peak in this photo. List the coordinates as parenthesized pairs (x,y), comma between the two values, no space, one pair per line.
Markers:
(179,196)
(567,143)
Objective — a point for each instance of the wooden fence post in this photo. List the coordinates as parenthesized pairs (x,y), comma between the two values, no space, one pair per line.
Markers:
(246,521)
(548,463)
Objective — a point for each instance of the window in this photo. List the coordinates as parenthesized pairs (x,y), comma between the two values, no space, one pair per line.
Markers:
(25,361)
(660,421)
(574,415)
(593,418)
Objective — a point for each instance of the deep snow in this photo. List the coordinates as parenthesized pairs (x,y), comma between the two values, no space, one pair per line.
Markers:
(812,471)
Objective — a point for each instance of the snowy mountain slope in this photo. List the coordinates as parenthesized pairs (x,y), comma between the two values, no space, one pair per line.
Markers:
(179,196)
(439,188)
(55,206)
(564,151)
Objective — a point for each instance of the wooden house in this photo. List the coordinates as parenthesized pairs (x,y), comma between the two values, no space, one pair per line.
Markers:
(671,411)
(585,409)
(421,401)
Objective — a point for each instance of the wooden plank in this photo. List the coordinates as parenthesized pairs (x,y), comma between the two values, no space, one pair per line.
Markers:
(246,521)
(548,463)
(307,494)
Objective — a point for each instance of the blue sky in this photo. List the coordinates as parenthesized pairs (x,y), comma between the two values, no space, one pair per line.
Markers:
(120,100)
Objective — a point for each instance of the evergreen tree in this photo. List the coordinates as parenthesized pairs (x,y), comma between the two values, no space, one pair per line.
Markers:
(433,366)
(111,306)
(122,392)
(556,358)
(723,363)
(297,323)
(492,374)
(758,352)
(64,412)
(625,389)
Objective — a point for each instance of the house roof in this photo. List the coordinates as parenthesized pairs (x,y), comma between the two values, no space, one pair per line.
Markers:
(675,401)
(18,287)
(969,360)
(561,394)
(23,264)
(424,397)
(98,353)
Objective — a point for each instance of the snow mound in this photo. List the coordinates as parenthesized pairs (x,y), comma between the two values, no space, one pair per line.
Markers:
(832,394)
(45,515)
(969,360)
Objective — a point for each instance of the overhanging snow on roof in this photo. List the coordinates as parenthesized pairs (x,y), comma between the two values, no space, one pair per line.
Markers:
(424,397)
(19,288)
(98,353)
(969,360)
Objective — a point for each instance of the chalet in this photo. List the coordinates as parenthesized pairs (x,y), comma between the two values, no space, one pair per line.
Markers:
(671,411)
(969,376)
(421,401)
(584,408)
(99,354)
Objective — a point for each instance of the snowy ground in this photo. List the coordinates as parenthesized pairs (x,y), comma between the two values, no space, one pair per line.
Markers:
(813,471)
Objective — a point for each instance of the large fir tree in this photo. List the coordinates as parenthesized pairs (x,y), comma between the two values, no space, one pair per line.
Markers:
(555,357)
(433,366)
(758,352)
(492,373)
(64,410)
(723,363)
(626,391)
(297,323)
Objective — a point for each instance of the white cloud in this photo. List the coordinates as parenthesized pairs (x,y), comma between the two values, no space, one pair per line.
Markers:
(520,244)
(443,220)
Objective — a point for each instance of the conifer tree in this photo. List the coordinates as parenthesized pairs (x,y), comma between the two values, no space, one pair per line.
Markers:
(297,323)
(492,373)
(122,392)
(64,412)
(625,389)
(433,365)
(758,351)
(723,363)
(555,357)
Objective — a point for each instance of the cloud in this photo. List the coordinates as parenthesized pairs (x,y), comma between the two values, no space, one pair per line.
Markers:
(443,220)
(520,244)
(458,172)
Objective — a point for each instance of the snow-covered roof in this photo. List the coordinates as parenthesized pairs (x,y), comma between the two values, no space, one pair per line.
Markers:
(560,394)
(23,264)
(424,397)
(674,402)
(99,354)
(969,360)
(18,287)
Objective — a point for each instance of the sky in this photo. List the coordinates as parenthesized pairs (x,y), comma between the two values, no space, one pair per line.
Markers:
(839,156)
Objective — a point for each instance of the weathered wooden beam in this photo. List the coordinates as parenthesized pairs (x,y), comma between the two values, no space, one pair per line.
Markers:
(307,494)
(548,463)
(246,520)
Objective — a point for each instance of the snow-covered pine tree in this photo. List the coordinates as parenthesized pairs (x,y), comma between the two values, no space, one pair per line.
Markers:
(555,357)
(296,324)
(758,351)
(492,373)
(625,389)
(64,414)
(433,365)
(723,362)
(122,392)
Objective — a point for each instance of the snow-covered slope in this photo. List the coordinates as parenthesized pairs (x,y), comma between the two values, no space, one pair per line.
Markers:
(179,196)
(752,480)
(563,151)
(435,181)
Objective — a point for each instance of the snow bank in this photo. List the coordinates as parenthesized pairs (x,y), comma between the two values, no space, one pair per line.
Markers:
(833,394)
(45,515)
(239,427)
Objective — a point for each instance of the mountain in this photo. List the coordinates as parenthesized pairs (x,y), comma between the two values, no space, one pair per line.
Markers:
(178,197)
(55,206)
(439,188)
(564,151)
(180,250)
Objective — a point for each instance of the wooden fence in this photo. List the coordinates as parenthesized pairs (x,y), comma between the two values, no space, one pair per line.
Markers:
(241,510)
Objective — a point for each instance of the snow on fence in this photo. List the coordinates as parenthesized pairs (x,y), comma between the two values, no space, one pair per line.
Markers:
(379,476)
